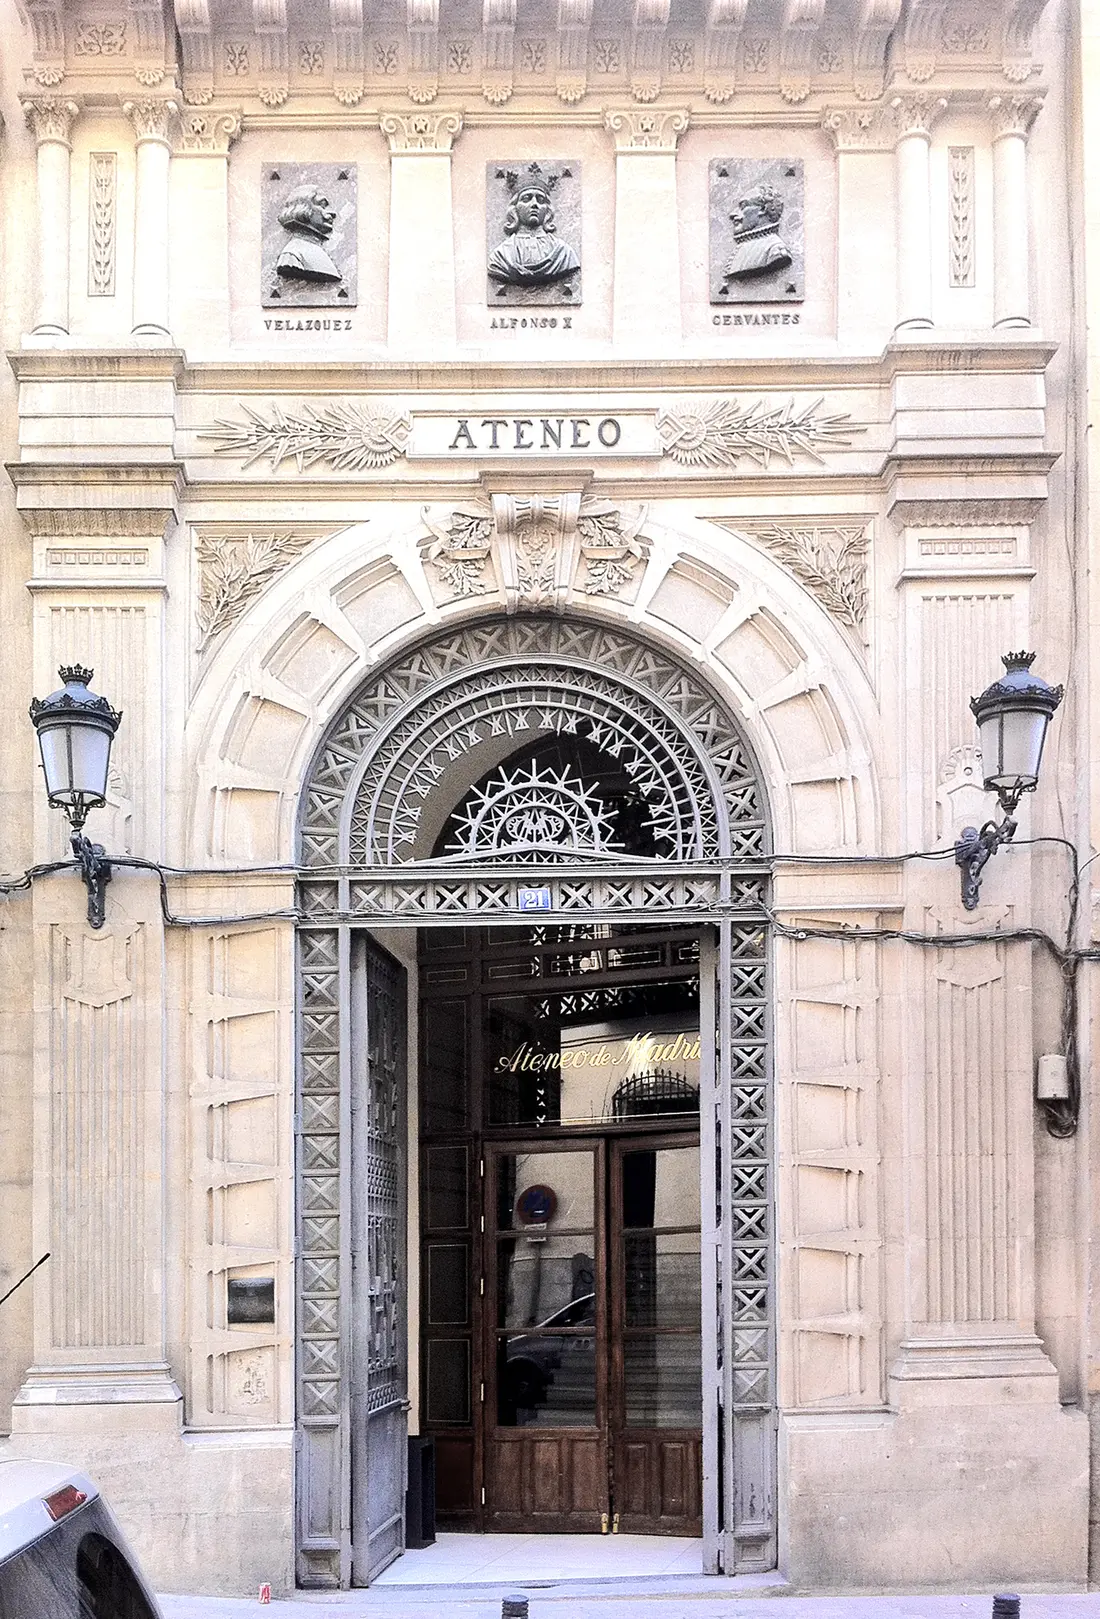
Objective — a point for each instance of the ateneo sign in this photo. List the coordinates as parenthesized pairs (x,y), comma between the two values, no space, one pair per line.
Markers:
(580,430)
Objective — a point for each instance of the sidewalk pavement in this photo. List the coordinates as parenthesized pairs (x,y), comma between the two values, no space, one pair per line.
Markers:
(741,1598)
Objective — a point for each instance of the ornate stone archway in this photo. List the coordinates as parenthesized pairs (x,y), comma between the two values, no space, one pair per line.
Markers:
(398,758)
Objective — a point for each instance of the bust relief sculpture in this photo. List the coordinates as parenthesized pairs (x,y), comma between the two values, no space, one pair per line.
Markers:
(309,236)
(309,217)
(532,257)
(757,234)
(758,246)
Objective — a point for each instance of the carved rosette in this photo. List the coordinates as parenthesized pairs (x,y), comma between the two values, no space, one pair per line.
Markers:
(656,130)
(50,118)
(420,131)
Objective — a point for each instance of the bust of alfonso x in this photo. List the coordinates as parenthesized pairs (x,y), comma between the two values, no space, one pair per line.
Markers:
(531,254)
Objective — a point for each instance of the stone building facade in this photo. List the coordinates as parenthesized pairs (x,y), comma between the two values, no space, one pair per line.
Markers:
(579,457)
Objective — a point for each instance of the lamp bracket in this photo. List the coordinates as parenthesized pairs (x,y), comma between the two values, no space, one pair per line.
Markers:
(975,848)
(95,869)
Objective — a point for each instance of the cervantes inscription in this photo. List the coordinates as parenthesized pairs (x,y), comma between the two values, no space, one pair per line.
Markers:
(309,252)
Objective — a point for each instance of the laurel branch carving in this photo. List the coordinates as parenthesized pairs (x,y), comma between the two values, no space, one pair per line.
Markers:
(830,560)
(232,572)
(723,432)
(347,437)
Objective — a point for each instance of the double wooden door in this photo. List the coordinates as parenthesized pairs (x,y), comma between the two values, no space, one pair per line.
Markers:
(591,1353)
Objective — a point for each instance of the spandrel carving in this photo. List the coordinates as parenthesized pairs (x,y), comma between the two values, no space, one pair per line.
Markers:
(309,253)
(533,227)
(757,249)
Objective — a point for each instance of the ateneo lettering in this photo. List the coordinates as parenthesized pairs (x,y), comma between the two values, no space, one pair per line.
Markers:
(509,434)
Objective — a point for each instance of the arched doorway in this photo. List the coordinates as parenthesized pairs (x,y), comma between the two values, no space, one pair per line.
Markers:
(567,788)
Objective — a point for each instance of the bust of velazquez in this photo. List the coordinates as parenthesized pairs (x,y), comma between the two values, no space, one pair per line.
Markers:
(758,246)
(531,254)
(309,217)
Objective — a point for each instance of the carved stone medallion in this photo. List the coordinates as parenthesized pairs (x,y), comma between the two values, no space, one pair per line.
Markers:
(757,245)
(309,254)
(533,233)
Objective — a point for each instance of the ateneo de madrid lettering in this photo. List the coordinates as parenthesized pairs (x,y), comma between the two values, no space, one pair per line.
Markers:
(602,452)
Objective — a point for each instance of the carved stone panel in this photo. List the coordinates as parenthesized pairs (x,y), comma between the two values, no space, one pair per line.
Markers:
(757,239)
(309,252)
(533,233)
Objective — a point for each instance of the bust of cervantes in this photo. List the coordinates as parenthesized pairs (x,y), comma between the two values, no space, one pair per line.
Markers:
(758,246)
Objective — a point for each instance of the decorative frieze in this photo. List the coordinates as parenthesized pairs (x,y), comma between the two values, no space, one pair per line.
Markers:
(721,432)
(960,174)
(345,437)
(574,23)
(99,39)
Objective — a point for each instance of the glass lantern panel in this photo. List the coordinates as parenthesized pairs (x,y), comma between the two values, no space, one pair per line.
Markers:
(1012,746)
(56,762)
(75,760)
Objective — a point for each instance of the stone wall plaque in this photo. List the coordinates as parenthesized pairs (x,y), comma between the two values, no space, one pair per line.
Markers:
(533,233)
(309,251)
(757,238)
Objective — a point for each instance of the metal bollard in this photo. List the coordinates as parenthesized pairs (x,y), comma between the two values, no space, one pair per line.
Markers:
(1006,1607)
(514,1608)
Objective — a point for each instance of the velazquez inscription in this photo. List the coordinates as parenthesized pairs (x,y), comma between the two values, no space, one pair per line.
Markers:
(309,251)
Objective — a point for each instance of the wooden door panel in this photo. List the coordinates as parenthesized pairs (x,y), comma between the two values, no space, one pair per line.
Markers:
(658,1484)
(550,1483)
(454,1474)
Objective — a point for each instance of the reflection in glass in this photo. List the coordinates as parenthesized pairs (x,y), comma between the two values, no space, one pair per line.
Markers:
(536,1288)
(663,1381)
(548,1380)
(620,1052)
(568,1175)
(662,1279)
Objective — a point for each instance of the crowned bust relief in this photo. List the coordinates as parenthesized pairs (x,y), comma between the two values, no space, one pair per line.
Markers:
(309,226)
(530,260)
(757,252)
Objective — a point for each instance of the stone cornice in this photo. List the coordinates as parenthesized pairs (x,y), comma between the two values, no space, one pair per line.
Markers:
(344,53)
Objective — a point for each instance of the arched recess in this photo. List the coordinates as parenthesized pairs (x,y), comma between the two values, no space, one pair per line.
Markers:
(274,684)
(403,753)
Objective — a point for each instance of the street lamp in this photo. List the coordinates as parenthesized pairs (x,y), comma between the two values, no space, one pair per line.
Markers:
(1013,715)
(75,731)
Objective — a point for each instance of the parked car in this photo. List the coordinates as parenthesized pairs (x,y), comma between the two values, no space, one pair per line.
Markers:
(545,1367)
(62,1555)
